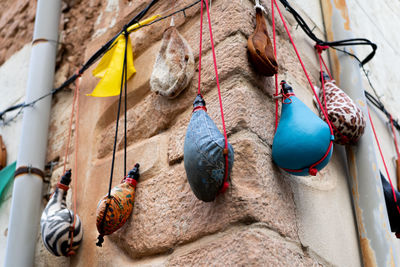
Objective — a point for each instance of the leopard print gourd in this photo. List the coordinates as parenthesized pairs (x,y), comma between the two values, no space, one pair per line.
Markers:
(347,119)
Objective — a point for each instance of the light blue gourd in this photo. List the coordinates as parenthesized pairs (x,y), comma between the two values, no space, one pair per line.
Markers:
(203,158)
(301,139)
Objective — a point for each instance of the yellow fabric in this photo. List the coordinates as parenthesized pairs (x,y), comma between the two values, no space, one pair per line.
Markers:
(111,65)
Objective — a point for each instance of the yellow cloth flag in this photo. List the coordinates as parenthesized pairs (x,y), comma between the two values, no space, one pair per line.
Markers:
(111,64)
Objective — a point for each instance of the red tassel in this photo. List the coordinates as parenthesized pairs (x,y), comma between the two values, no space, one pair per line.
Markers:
(313,171)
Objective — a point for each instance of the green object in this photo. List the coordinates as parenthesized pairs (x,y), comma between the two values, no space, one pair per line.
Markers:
(6,174)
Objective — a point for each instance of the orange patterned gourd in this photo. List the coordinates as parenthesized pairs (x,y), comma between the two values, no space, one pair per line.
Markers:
(113,212)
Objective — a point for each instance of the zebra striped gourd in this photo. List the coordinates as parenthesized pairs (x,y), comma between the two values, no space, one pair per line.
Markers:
(57,220)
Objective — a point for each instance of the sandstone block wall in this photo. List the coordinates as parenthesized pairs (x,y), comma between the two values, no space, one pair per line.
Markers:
(258,220)
(267,217)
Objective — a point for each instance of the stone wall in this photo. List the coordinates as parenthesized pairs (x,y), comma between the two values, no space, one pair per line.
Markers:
(267,217)
(169,226)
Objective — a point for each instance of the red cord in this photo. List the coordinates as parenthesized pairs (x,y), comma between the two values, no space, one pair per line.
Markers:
(312,169)
(69,133)
(74,180)
(225,184)
(200,46)
(276,58)
(395,138)
(302,65)
(384,162)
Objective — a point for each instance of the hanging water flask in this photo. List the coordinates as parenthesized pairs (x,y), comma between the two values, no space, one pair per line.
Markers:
(114,210)
(303,142)
(204,157)
(345,116)
(57,222)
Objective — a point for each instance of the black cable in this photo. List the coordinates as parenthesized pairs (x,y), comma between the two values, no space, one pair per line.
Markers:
(98,54)
(169,15)
(374,100)
(123,84)
(125,81)
(346,42)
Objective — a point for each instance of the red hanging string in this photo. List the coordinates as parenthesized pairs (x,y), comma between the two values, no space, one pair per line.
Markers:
(395,138)
(303,67)
(319,49)
(312,169)
(75,174)
(384,162)
(75,101)
(276,58)
(69,132)
(225,184)
(200,46)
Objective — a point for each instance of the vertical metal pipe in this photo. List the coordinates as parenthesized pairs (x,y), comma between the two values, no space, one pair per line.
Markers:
(375,237)
(27,191)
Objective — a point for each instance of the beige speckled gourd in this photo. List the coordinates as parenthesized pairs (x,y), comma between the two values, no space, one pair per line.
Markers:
(174,66)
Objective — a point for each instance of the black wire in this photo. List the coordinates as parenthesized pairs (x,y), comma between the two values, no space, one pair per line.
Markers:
(346,42)
(167,16)
(98,54)
(125,81)
(374,100)
(123,78)
(117,121)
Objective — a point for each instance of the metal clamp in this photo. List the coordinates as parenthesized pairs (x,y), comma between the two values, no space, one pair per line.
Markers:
(28,170)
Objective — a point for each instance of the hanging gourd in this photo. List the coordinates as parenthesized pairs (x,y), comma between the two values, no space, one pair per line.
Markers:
(260,48)
(57,222)
(303,142)
(208,157)
(114,209)
(392,205)
(346,117)
(61,228)
(3,154)
(204,157)
(174,66)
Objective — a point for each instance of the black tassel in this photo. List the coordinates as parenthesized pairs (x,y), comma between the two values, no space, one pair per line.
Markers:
(100,240)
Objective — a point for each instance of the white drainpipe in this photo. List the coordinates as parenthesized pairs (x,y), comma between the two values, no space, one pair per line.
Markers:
(27,191)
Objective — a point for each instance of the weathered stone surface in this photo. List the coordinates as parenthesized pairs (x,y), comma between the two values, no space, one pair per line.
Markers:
(59,126)
(254,245)
(43,258)
(245,107)
(155,114)
(16,26)
(168,214)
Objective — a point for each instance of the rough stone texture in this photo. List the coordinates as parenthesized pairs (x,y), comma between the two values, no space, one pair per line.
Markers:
(16,26)
(245,107)
(168,198)
(155,113)
(254,245)
(169,225)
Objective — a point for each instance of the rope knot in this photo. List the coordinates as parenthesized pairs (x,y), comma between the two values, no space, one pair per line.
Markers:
(125,30)
(284,97)
(100,241)
(321,48)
